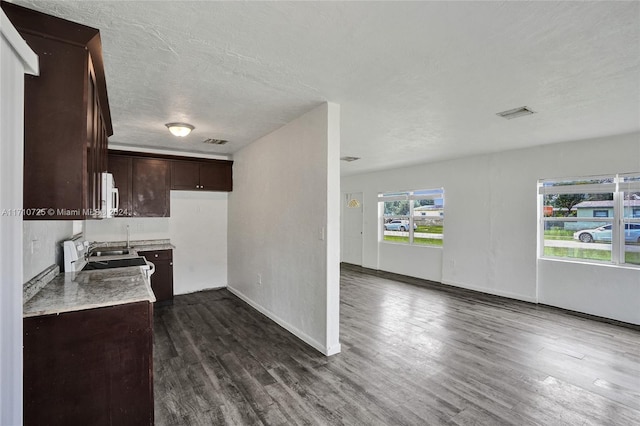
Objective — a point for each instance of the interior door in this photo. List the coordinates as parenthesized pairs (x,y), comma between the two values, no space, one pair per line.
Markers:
(352,228)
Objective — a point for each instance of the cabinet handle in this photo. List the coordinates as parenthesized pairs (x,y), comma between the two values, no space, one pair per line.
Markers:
(156,255)
(170,263)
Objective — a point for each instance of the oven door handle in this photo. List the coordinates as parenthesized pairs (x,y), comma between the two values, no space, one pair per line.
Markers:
(151,270)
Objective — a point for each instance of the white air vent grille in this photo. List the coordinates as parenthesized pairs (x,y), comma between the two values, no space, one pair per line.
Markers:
(215,141)
(516,112)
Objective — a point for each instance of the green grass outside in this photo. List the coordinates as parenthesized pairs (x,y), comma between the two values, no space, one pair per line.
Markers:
(420,241)
(589,254)
(431,229)
(558,234)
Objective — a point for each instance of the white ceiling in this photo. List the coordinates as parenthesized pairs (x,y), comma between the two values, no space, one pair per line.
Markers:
(416,81)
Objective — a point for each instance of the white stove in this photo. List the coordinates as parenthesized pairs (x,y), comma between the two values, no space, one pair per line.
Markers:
(75,254)
(76,257)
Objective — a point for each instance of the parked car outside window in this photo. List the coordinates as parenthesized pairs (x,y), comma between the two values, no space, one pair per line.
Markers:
(603,234)
(398,225)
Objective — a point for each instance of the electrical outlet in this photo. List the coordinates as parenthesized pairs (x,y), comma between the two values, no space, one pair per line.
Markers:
(259,278)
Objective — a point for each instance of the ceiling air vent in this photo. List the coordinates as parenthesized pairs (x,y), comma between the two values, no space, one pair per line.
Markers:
(349,159)
(215,141)
(516,112)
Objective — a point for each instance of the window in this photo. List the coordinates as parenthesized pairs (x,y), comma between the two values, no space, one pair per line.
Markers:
(412,217)
(591,219)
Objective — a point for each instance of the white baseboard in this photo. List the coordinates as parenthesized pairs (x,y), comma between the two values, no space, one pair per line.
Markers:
(492,291)
(290,328)
(190,291)
(332,350)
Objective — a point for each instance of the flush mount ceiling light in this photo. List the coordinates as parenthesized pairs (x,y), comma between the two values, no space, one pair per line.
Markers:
(180,129)
(516,112)
(349,159)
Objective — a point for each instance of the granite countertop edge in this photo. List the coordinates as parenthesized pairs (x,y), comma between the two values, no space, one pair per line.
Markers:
(83,290)
(84,307)
(139,245)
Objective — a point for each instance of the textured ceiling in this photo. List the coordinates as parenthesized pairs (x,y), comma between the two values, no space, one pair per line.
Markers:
(416,81)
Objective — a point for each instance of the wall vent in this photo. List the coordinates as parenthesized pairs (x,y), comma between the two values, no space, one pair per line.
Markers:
(349,159)
(516,112)
(215,141)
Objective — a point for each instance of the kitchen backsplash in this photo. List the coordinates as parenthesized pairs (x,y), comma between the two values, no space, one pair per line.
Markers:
(41,244)
(115,229)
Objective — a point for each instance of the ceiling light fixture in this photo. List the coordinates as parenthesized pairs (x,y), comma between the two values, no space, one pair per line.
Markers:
(349,159)
(180,129)
(516,112)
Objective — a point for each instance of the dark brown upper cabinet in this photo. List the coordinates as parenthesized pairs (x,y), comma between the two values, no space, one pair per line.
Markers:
(202,175)
(143,185)
(150,187)
(144,180)
(67,118)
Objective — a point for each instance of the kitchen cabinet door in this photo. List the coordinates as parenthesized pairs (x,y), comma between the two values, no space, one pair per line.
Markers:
(150,187)
(215,176)
(90,367)
(162,278)
(67,118)
(122,169)
(207,175)
(185,175)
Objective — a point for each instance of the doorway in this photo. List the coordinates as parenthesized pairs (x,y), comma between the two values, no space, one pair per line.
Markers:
(352,228)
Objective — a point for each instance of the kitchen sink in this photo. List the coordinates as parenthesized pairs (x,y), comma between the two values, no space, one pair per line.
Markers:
(110,252)
(114,263)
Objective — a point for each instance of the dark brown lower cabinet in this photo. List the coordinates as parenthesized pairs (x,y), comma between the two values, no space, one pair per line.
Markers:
(91,367)
(162,278)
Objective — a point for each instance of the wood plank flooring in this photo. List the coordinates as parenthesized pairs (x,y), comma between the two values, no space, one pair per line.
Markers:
(411,355)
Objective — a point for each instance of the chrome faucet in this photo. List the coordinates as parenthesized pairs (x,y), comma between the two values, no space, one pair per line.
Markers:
(90,249)
(128,237)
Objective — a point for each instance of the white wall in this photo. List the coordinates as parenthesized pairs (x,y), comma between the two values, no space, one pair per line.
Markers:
(491,224)
(16,59)
(199,232)
(197,228)
(42,245)
(600,290)
(286,198)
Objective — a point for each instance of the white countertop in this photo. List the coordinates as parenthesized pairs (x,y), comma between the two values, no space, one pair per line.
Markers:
(90,289)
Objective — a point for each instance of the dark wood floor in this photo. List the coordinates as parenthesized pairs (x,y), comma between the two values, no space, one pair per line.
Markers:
(411,355)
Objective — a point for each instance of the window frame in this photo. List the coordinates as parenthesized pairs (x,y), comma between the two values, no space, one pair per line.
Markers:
(619,185)
(411,196)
